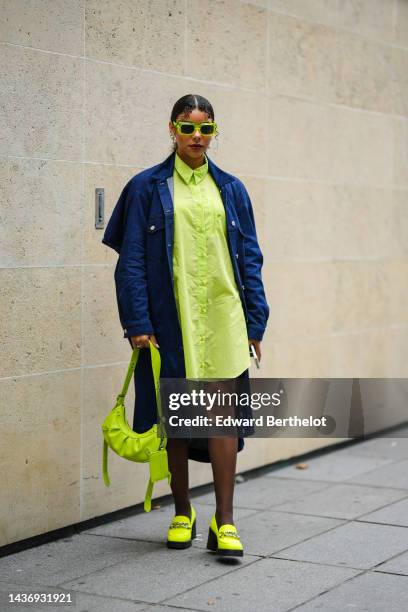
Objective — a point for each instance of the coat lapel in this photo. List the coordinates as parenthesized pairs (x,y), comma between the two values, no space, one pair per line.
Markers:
(163,176)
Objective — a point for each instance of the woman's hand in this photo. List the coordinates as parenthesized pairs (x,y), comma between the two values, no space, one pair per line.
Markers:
(143,341)
(257,346)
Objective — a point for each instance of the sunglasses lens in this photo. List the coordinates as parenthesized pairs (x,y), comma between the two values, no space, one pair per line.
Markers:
(207,128)
(187,128)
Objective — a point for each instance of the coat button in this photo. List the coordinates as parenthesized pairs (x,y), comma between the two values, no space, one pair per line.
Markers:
(236,255)
(232,222)
(152,227)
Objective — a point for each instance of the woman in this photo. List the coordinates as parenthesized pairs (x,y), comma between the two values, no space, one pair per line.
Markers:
(188,279)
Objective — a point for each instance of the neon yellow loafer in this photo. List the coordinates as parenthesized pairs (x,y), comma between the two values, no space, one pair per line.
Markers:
(225,540)
(182,530)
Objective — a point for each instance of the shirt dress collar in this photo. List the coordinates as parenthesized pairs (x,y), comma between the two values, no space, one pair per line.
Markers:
(189,174)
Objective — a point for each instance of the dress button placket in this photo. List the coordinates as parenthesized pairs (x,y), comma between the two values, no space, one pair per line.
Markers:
(201,246)
(204,277)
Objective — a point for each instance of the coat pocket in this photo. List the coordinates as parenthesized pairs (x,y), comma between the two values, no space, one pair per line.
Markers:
(155,224)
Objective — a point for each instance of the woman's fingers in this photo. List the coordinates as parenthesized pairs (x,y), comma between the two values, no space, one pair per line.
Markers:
(140,341)
(153,339)
(257,346)
(143,341)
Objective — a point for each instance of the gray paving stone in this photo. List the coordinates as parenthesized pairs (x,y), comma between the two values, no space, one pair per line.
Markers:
(359,545)
(368,592)
(394,514)
(394,475)
(269,584)
(94,603)
(82,602)
(7,587)
(387,448)
(162,608)
(398,565)
(68,558)
(265,492)
(332,468)
(300,511)
(267,532)
(159,608)
(161,574)
(345,501)
(152,526)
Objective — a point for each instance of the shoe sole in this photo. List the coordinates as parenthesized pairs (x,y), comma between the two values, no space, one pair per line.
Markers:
(182,545)
(178,545)
(225,552)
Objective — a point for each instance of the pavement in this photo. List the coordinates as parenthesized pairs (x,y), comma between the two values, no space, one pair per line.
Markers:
(330,537)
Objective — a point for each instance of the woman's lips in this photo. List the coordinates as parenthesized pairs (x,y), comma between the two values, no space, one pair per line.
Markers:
(195,146)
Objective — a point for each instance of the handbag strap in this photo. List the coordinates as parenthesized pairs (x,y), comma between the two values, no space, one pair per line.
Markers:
(156,366)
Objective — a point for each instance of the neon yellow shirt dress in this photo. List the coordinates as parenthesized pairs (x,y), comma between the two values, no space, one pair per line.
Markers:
(209,307)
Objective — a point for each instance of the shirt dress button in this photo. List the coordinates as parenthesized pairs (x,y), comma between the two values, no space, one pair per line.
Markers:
(152,227)
(232,222)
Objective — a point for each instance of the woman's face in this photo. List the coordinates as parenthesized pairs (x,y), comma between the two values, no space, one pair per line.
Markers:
(186,142)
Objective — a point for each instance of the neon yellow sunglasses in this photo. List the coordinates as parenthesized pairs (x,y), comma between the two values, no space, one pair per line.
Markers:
(207,128)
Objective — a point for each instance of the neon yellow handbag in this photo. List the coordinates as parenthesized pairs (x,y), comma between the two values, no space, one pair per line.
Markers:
(147,447)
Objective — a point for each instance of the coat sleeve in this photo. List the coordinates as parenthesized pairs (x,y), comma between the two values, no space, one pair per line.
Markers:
(129,223)
(257,306)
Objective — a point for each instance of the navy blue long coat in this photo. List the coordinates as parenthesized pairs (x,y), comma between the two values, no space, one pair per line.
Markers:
(141,231)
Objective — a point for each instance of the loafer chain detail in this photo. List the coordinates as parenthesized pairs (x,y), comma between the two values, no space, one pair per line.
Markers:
(229,534)
(176,524)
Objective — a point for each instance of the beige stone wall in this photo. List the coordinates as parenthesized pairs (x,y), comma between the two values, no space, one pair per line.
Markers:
(312,103)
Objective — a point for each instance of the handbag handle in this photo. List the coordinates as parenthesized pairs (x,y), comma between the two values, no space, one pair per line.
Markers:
(156,365)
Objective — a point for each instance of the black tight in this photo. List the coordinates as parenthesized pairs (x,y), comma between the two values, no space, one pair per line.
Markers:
(223,457)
